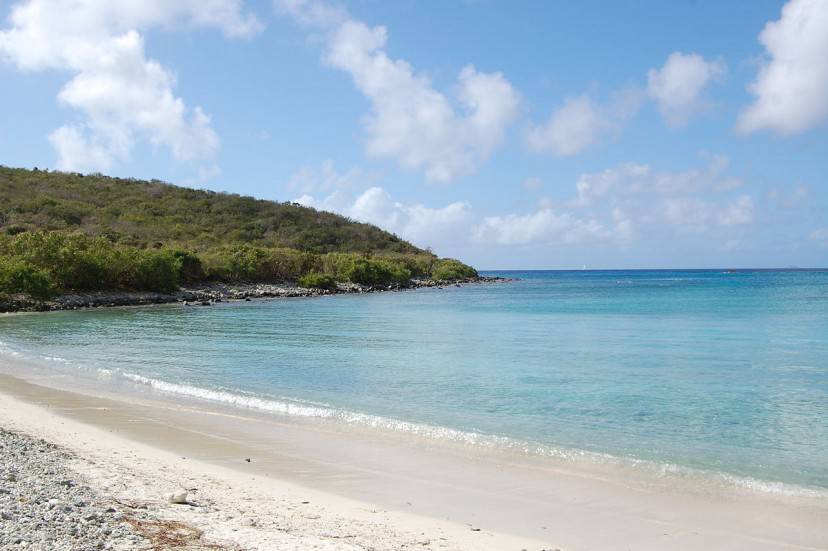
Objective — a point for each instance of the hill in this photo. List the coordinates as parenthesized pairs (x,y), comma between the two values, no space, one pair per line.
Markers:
(63,232)
(140,213)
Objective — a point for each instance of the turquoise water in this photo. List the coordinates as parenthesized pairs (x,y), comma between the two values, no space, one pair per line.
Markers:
(720,372)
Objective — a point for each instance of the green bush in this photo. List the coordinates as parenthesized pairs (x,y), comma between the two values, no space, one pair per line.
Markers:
(449,269)
(190,268)
(41,263)
(248,263)
(18,276)
(148,270)
(419,265)
(368,271)
(316,280)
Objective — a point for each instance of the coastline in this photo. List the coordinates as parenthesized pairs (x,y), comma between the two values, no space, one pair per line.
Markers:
(209,293)
(515,505)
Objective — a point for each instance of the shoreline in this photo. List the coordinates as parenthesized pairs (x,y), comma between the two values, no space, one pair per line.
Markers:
(231,501)
(533,501)
(207,294)
(116,384)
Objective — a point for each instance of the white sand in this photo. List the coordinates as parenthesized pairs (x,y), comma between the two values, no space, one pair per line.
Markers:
(391,493)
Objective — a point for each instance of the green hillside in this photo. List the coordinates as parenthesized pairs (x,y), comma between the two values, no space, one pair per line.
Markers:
(139,213)
(61,232)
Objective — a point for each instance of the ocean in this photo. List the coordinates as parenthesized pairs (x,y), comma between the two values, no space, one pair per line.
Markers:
(710,373)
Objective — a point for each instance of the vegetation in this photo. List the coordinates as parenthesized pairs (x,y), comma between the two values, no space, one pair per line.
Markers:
(448,269)
(316,280)
(62,232)
(146,214)
(19,276)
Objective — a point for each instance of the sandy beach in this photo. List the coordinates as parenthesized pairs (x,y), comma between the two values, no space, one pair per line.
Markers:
(258,482)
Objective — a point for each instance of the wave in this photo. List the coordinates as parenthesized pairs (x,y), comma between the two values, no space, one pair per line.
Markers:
(7,350)
(299,408)
(439,433)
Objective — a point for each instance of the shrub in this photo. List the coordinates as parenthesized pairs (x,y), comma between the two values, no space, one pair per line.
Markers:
(449,269)
(18,276)
(419,265)
(148,270)
(247,263)
(369,271)
(74,261)
(190,268)
(316,280)
(14,230)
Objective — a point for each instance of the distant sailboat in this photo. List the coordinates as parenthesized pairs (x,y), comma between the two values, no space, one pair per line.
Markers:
(584,267)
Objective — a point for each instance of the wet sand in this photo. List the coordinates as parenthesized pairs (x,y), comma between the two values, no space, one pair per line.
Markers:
(388,490)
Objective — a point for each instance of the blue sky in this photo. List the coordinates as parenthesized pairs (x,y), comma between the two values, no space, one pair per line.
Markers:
(508,134)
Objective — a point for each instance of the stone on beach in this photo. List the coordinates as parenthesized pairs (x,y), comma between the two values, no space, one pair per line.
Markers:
(178,498)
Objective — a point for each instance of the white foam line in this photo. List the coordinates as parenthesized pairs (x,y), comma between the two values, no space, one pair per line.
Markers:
(471,438)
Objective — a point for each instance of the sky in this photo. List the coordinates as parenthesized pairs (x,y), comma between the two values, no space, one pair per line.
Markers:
(523,135)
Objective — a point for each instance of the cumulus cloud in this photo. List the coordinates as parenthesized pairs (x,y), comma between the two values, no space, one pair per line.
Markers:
(424,226)
(539,228)
(122,94)
(456,224)
(635,178)
(678,86)
(325,178)
(737,213)
(610,207)
(791,88)
(410,121)
(581,123)
(75,152)
(697,213)
(638,198)
(627,178)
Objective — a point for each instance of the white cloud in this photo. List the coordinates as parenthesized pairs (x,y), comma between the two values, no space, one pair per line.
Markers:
(542,227)
(410,121)
(581,123)
(614,206)
(75,152)
(623,224)
(424,226)
(633,178)
(697,213)
(325,178)
(687,211)
(571,129)
(791,88)
(627,178)
(737,213)
(122,94)
(637,197)
(677,88)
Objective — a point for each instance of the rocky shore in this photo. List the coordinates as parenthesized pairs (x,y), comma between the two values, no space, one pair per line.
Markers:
(208,294)
(45,506)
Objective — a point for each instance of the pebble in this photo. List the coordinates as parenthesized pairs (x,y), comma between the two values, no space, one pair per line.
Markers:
(35,508)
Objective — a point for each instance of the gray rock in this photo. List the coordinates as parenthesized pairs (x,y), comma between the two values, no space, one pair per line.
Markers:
(58,513)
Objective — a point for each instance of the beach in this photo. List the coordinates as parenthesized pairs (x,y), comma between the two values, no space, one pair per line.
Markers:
(257,482)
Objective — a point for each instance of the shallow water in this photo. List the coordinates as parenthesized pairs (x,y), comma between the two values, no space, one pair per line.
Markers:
(726,373)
